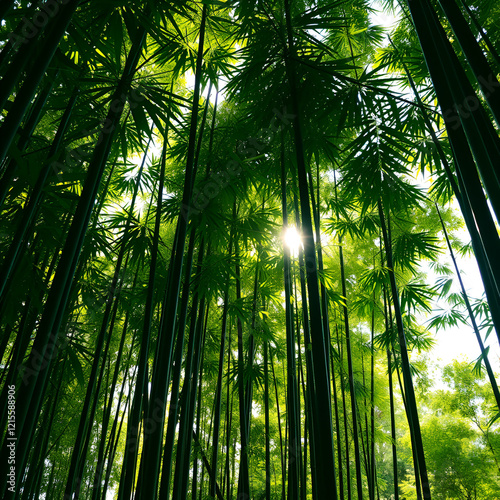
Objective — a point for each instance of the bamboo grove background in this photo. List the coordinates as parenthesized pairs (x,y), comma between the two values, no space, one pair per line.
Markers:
(162,340)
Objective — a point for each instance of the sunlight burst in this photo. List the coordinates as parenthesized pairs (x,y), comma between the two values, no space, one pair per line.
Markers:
(292,239)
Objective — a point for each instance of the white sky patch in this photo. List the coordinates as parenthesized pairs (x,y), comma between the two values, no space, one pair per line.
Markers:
(460,342)
(386,19)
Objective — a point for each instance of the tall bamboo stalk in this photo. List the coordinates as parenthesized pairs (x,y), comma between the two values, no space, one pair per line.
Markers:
(408,382)
(218,390)
(292,388)
(131,444)
(36,196)
(175,402)
(103,339)
(55,31)
(161,369)
(486,78)
(484,35)
(189,390)
(26,132)
(470,196)
(350,374)
(244,475)
(322,418)
(450,82)
(28,400)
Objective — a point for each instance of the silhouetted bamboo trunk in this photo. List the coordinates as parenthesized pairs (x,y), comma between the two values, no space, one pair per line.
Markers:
(350,371)
(416,469)
(210,470)
(322,418)
(161,369)
(39,454)
(410,394)
(267,495)
(55,31)
(472,201)
(372,408)
(132,440)
(389,348)
(45,451)
(337,427)
(344,410)
(97,482)
(282,445)
(33,205)
(365,438)
(393,428)
(103,339)
(480,29)
(194,487)
(175,402)
(307,405)
(218,390)
(228,417)
(25,45)
(309,358)
(451,83)
(32,120)
(115,429)
(291,378)
(28,400)
(188,396)
(315,202)
(244,477)
(486,78)
(470,197)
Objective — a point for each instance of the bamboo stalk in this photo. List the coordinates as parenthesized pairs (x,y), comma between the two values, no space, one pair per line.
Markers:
(410,394)
(486,78)
(161,370)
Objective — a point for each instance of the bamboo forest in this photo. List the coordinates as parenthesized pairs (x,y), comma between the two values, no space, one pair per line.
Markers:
(240,241)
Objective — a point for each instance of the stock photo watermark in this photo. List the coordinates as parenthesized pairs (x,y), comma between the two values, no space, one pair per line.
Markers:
(11,438)
(31,28)
(38,361)
(75,157)
(470,103)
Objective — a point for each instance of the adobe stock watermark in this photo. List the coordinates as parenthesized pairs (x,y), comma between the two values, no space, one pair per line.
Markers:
(11,438)
(252,147)
(75,157)
(470,103)
(38,361)
(46,11)
(149,424)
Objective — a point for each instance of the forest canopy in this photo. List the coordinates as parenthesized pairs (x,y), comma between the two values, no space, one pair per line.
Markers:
(231,233)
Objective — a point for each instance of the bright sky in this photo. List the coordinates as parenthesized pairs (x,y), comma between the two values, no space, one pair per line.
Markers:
(387,20)
(460,342)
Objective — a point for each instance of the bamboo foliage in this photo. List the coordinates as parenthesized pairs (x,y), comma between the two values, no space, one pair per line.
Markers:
(163,334)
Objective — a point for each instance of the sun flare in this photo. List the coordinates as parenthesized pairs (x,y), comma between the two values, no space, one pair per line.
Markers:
(292,238)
